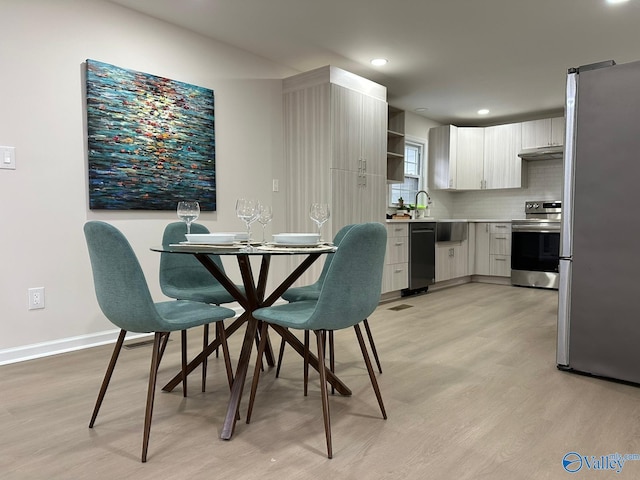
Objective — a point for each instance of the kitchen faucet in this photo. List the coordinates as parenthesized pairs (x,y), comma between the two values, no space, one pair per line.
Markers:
(428,198)
(415,214)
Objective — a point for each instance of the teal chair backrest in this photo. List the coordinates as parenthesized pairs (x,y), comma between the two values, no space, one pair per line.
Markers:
(120,285)
(183,271)
(336,241)
(353,282)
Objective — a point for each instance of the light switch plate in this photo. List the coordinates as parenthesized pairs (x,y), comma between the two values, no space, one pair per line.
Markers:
(8,158)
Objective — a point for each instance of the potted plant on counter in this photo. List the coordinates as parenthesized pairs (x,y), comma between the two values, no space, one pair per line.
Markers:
(402,210)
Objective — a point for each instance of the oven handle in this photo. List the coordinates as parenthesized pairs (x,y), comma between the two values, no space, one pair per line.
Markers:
(535,229)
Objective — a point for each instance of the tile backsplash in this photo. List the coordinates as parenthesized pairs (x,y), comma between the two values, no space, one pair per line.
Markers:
(544,183)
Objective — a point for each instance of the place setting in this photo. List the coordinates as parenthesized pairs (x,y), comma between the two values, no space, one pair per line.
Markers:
(319,213)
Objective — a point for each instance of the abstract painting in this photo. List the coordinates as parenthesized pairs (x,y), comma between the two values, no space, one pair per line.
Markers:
(151,141)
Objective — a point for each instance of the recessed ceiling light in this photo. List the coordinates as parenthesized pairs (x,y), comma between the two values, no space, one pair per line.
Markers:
(483,111)
(421,109)
(617,1)
(378,62)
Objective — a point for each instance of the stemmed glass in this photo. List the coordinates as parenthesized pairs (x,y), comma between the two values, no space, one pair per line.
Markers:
(319,213)
(247,210)
(265,216)
(188,212)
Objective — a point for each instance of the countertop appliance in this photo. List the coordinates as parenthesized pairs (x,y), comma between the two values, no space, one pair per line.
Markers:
(422,257)
(598,325)
(535,245)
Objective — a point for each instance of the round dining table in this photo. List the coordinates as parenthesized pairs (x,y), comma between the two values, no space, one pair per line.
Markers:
(253,297)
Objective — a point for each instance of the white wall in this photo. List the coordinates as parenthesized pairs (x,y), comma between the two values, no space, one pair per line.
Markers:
(45,199)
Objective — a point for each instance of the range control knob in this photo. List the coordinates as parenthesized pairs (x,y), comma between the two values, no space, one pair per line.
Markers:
(529,205)
(535,205)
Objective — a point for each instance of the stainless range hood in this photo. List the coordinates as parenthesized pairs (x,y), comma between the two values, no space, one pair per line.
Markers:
(542,153)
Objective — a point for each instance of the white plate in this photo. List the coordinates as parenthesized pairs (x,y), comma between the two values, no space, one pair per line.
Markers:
(210,238)
(296,239)
(208,244)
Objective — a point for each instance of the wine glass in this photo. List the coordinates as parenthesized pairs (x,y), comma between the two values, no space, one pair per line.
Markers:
(188,212)
(247,211)
(319,213)
(264,217)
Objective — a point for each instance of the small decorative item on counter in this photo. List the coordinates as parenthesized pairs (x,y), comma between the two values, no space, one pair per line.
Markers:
(402,212)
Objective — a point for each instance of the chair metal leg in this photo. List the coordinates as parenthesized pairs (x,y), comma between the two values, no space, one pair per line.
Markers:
(280,357)
(205,342)
(372,375)
(258,342)
(306,361)
(107,376)
(256,372)
(153,375)
(183,336)
(332,359)
(324,392)
(372,344)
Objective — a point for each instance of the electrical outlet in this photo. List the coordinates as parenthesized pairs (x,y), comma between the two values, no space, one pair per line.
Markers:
(276,185)
(36,298)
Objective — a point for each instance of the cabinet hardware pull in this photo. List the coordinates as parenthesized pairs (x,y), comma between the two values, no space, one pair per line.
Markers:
(399,244)
(501,259)
(501,238)
(398,270)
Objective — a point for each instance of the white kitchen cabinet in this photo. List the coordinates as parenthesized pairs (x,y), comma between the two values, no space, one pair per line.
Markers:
(500,249)
(482,256)
(396,269)
(502,166)
(475,158)
(492,249)
(335,150)
(451,260)
(456,157)
(542,133)
(470,164)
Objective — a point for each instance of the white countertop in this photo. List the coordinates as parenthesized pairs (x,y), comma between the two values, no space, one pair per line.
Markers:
(432,219)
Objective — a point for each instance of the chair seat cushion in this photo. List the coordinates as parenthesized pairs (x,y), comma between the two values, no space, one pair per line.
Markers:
(299,294)
(290,315)
(183,314)
(215,294)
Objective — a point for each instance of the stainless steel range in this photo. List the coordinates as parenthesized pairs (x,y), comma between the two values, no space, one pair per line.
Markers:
(535,245)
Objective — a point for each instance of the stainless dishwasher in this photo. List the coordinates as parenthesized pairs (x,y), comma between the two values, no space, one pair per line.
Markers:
(422,256)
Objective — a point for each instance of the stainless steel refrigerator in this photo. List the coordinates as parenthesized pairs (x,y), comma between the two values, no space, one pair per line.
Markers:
(599,293)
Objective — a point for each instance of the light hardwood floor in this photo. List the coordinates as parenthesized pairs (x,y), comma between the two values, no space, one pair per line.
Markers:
(469,384)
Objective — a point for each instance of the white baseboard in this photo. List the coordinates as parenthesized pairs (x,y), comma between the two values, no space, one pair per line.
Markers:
(64,345)
(70,344)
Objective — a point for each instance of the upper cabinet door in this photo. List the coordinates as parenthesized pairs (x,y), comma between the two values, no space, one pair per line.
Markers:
(536,133)
(543,133)
(346,122)
(374,135)
(557,131)
(502,166)
(470,161)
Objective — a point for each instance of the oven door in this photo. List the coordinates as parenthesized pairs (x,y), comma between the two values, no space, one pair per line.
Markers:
(535,246)
(535,251)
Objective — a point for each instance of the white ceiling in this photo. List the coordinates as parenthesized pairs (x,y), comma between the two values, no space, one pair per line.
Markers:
(451,57)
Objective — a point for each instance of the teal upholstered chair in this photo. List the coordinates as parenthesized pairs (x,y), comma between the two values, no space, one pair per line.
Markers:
(183,277)
(312,292)
(349,294)
(124,298)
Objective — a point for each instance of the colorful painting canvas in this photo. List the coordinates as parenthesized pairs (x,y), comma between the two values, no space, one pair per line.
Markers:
(151,141)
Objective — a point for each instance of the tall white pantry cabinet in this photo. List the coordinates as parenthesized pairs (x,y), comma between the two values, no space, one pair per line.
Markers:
(335,143)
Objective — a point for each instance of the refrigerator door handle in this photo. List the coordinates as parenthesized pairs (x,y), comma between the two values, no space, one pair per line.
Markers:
(564,313)
(566,247)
